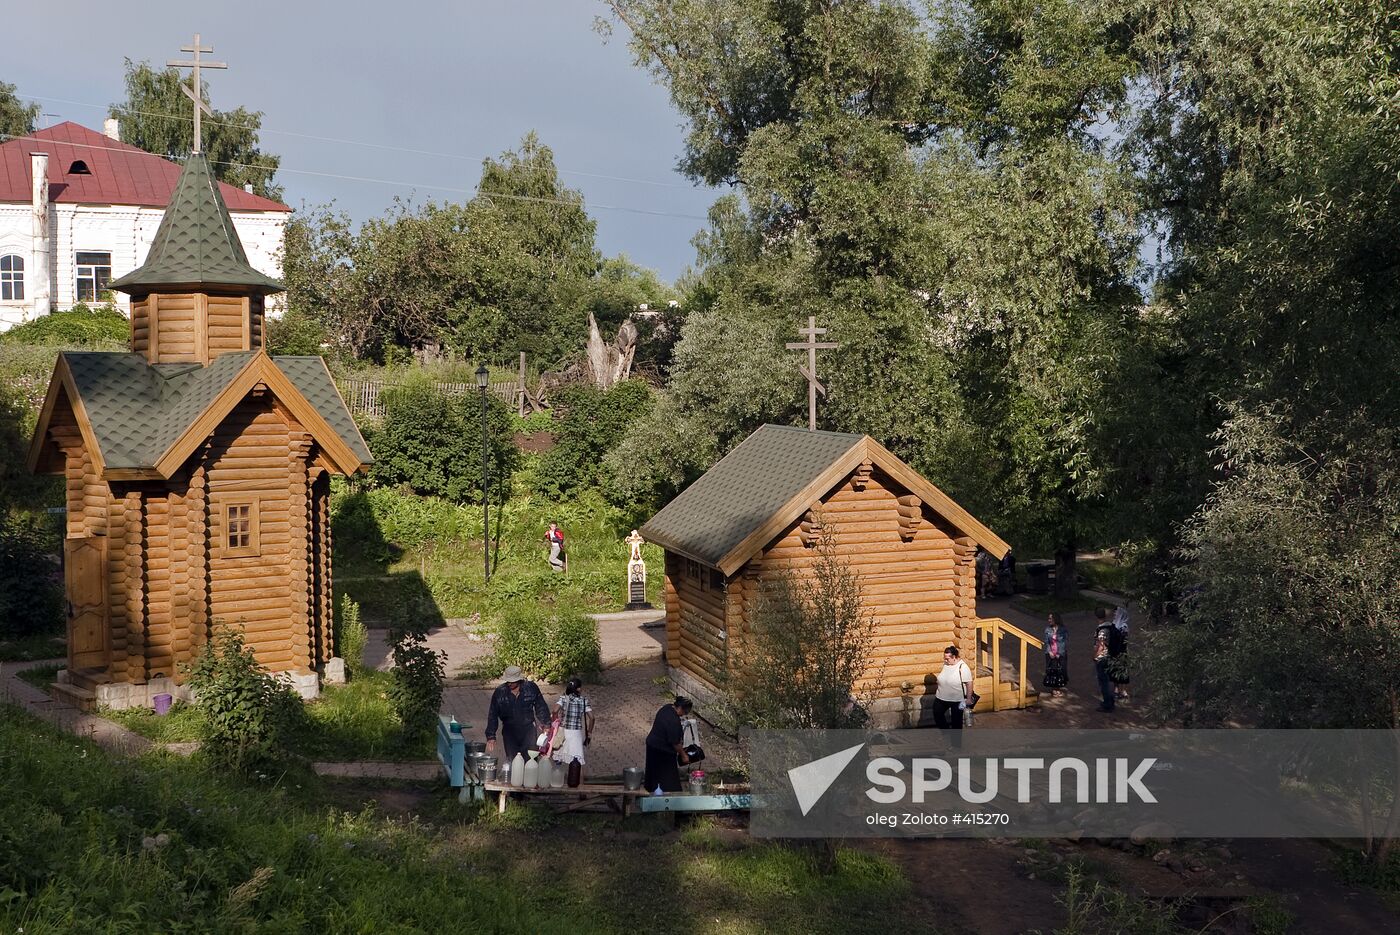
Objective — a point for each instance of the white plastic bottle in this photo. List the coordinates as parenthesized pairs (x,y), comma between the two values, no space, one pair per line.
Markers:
(517,771)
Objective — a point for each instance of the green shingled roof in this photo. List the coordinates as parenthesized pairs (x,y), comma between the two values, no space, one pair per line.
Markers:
(745,489)
(310,376)
(137,411)
(195,246)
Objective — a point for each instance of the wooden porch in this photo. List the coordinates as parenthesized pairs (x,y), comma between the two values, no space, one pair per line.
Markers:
(999,677)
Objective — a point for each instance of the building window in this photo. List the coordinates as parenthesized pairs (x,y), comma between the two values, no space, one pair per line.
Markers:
(94,272)
(240,529)
(11,277)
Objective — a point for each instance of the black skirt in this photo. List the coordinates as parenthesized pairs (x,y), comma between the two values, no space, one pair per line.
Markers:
(1056,672)
(662,770)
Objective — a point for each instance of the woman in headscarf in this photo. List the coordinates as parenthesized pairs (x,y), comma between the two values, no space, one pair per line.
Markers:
(1056,655)
(666,747)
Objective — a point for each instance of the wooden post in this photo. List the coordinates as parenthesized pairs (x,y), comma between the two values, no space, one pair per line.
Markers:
(197,531)
(520,388)
(135,588)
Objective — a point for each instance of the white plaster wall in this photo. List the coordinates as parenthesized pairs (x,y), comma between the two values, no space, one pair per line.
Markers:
(126,233)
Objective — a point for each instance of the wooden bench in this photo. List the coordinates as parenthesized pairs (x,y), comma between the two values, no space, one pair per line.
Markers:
(614,795)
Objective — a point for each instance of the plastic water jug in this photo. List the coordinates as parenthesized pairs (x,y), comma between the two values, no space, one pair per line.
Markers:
(531,774)
(558,772)
(517,771)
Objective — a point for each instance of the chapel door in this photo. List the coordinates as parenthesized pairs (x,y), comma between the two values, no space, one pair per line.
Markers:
(85,581)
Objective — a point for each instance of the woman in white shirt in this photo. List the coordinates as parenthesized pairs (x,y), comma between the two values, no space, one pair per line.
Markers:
(954,691)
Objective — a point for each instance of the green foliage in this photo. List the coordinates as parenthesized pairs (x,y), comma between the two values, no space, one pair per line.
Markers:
(1094,907)
(16,118)
(156,116)
(100,328)
(431,442)
(593,422)
(296,333)
(551,643)
(1294,552)
(512,269)
(351,636)
(416,692)
(248,714)
(31,595)
(811,640)
(91,842)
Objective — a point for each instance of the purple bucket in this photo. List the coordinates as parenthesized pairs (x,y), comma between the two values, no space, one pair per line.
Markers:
(161,703)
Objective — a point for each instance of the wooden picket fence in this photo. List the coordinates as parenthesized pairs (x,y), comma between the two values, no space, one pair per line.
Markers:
(366,397)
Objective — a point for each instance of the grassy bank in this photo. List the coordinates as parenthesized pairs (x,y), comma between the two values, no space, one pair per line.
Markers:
(96,844)
(354,721)
(395,550)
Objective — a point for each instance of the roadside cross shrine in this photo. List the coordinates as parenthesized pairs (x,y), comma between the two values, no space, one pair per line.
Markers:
(636,573)
(195,95)
(811,346)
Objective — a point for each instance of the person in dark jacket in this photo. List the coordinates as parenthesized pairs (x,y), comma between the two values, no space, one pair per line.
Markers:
(666,748)
(518,709)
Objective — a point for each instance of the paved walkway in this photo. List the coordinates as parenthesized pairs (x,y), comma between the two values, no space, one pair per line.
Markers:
(106,734)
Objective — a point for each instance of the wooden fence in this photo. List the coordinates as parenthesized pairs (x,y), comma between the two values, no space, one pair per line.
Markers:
(365,397)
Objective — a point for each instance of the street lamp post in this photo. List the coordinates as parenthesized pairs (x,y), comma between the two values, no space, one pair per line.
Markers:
(483,382)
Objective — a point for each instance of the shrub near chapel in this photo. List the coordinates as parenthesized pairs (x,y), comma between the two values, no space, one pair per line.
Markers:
(431,442)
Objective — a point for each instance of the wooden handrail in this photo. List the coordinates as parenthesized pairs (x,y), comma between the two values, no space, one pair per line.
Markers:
(995,627)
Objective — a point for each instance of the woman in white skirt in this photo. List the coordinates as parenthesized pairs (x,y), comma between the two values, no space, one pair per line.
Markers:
(576,717)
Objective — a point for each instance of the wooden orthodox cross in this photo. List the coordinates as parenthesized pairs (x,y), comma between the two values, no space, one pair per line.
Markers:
(195,95)
(811,346)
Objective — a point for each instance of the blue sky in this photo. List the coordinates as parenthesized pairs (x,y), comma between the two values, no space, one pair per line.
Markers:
(457,82)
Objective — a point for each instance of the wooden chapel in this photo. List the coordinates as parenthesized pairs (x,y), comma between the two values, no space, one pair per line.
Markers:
(768,505)
(198,473)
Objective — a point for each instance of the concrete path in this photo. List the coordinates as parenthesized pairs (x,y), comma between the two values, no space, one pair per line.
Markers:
(106,734)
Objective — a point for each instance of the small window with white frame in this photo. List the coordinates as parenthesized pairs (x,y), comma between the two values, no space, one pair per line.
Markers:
(11,278)
(93,271)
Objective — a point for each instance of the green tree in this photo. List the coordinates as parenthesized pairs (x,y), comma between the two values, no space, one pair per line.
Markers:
(593,422)
(158,117)
(512,269)
(431,442)
(963,232)
(16,117)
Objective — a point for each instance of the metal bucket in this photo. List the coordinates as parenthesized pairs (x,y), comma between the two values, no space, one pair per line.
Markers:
(632,778)
(487,772)
(476,746)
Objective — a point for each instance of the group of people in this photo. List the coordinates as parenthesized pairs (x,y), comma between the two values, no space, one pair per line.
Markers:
(995,577)
(520,717)
(1110,656)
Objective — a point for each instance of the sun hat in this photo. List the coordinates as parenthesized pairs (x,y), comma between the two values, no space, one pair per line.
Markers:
(512,674)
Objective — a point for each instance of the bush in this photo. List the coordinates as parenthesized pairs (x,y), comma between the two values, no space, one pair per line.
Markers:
(418,676)
(594,421)
(550,643)
(430,442)
(351,636)
(80,326)
(248,714)
(31,597)
(296,333)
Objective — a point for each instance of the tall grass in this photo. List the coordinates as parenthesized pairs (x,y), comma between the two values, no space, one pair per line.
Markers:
(90,843)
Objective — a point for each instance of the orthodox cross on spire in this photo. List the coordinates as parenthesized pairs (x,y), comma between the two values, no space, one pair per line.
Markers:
(195,95)
(811,346)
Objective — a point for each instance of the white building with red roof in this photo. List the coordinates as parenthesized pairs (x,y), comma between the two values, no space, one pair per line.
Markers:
(79,208)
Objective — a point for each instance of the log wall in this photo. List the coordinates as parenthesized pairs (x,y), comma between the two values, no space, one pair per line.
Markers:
(248,464)
(181,327)
(915,574)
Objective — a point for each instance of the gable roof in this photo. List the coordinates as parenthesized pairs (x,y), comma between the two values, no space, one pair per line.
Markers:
(120,174)
(143,420)
(196,246)
(769,480)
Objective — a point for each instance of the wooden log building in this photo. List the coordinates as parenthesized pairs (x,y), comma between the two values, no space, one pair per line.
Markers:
(198,473)
(766,507)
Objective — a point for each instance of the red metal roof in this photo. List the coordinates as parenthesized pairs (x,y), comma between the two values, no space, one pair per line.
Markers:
(120,174)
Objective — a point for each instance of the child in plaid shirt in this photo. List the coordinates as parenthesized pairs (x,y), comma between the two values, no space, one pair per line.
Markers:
(576,717)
